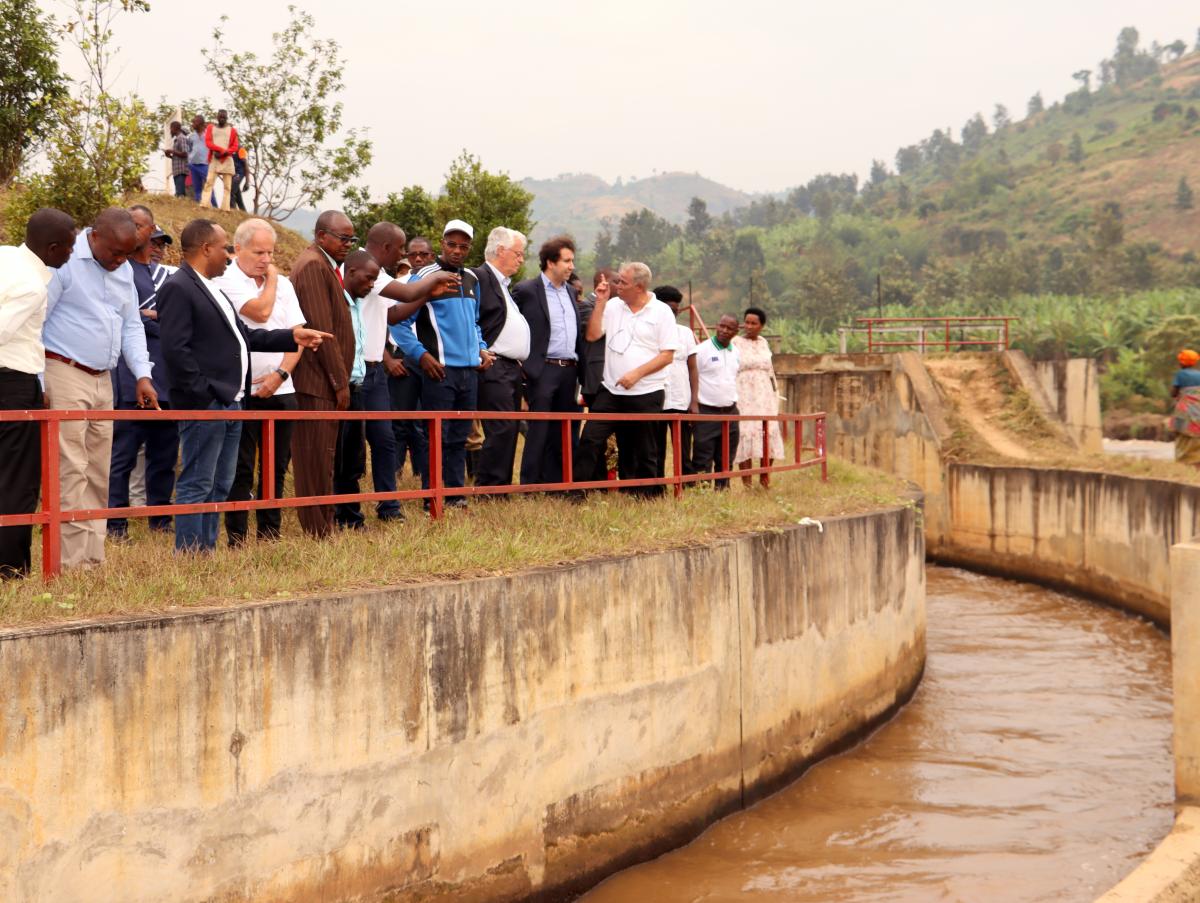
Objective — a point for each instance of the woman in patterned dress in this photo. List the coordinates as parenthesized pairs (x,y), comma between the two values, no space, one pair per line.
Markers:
(1185,389)
(756,395)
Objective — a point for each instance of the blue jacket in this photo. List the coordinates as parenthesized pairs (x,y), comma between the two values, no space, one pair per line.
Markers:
(446,327)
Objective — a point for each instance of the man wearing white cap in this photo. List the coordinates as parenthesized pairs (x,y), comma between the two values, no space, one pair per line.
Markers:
(445,339)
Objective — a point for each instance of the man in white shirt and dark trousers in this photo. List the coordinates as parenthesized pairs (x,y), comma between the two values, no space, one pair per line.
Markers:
(679,387)
(207,352)
(262,298)
(714,369)
(641,339)
(506,333)
(25,272)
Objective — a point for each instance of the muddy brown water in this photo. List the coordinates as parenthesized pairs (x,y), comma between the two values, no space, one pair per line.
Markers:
(1033,764)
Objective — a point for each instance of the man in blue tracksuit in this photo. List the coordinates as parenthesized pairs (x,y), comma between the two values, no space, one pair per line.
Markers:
(443,337)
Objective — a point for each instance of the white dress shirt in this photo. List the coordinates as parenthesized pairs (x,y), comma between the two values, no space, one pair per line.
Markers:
(633,340)
(286,314)
(23,282)
(226,307)
(679,384)
(513,341)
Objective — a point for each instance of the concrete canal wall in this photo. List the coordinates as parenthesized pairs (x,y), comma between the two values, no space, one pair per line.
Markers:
(500,738)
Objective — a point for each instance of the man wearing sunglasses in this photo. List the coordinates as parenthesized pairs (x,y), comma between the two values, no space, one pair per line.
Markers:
(322,379)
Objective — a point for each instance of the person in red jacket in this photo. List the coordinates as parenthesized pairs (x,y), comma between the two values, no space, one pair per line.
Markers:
(222,141)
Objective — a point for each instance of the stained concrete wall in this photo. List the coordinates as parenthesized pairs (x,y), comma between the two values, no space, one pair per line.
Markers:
(1073,387)
(486,739)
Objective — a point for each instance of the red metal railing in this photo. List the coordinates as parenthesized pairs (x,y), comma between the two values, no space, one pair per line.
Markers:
(52,516)
(939,327)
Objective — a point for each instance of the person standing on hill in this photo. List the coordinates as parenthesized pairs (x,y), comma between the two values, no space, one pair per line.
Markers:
(178,154)
(221,139)
(1185,390)
(25,274)
(197,156)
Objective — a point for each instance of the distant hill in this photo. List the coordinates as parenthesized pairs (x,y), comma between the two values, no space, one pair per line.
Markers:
(575,203)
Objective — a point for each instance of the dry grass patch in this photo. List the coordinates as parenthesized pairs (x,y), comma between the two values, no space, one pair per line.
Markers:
(495,536)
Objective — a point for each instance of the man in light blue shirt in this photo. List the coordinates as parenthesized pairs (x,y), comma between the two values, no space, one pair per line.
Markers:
(92,319)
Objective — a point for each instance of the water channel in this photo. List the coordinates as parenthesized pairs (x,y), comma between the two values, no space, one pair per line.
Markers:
(1033,764)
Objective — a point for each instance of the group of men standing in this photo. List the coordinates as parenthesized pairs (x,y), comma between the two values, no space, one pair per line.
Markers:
(388,327)
(211,152)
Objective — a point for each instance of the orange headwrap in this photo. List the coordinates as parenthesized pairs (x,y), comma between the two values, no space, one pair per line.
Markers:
(1188,357)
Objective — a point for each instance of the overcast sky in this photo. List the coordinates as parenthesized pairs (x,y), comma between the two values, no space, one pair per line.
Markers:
(758,95)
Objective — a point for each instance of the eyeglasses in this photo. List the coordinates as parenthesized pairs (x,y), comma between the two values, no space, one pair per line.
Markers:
(344,239)
(520,255)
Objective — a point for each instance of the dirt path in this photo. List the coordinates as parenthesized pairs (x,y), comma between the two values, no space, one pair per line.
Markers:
(969,385)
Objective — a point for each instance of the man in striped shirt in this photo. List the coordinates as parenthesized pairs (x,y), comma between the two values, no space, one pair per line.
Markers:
(159,438)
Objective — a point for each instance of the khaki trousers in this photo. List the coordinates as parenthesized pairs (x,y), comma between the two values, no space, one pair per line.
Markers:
(85,450)
(226,182)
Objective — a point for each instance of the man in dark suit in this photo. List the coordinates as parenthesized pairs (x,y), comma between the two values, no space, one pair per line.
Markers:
(506,333)
(555,350)
(206,349)
(322,379)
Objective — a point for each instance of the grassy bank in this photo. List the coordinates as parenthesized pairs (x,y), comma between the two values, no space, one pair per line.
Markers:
(494,536)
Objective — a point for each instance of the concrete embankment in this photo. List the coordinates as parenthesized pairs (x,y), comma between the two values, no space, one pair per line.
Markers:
(491,739)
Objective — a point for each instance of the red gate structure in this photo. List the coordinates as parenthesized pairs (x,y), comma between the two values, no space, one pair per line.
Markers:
(932,332)
(52,516)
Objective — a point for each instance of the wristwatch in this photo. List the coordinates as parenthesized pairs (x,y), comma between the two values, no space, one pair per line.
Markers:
(282,374)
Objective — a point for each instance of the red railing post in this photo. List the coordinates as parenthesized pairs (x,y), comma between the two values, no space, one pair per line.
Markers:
(798,445)
(266,448)
(819,435)
(947,335)
(435,466)
(870,336)
(568,464)
(51,502)
(677,454)
(765,479)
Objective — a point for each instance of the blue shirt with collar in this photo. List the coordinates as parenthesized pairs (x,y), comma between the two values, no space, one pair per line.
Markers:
(564,321)
(92,314)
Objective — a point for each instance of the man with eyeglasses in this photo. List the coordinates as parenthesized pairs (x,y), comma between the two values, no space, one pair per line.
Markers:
(445,341)
(642,340)
(322,379)
(507,335)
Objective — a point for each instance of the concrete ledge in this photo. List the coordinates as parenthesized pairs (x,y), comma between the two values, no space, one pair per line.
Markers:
(1171,874)
(505,738)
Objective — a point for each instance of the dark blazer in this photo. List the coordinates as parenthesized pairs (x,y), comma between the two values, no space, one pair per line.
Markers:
(323,303)
(530,297)
(493,312)
(204,363)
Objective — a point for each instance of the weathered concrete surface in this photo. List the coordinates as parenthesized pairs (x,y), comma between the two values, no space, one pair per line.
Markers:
(487,739)
(1073,387)
(1105,535)
(1024,374)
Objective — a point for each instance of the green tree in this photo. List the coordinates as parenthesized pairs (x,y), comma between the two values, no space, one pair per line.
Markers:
(896,280)
(1035,105)
(1109,227)
(699,220)
(642,234)
(603,253)
(1000,118)
(879,172)
(746,262)
(829,295)
(288,117)
(1075,153)
(485,200)
(412,210)
(1183,194)
(31,87)
(101,140)
(941,283)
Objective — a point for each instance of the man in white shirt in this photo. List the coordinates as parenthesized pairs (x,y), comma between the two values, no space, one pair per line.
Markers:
(506,333)
(24,276)
(679,386)
(714,368)
(641,342)
(263,299)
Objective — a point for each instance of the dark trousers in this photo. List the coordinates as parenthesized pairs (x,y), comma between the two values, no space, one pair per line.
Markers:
(499,390)
(662,430)
(314,443)
(636,446)
(351,459)
(552,390)
(20,468)
(161,440)
(459,391)
(235,195)
(180,180)
(706,445)
(266,520)
(411,441)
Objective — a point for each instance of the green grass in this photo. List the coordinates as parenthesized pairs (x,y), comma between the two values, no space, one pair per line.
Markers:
(495,536)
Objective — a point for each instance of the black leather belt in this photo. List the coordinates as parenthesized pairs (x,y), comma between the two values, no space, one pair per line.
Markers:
(560,362)
(371,365)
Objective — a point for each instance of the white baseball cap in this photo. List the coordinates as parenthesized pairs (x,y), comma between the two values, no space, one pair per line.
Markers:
(457,225)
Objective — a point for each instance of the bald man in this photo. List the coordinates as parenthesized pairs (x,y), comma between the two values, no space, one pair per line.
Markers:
(322,379)
(25,273)
(92,320)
